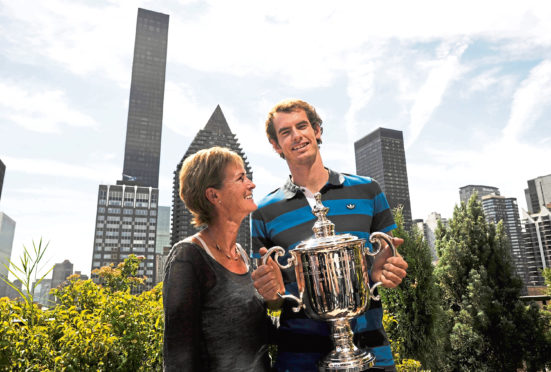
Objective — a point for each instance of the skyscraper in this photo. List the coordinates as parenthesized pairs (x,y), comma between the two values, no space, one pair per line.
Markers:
(499,208)
(466,192)
(7,232)
(538,193)
(537,242)
(431,223)
(2,172)
(145,110)
(60,273)
(215,133)
(163,229)
(126,218)
(381,155)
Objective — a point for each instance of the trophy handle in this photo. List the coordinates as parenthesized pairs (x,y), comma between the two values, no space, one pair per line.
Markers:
(279,252)
(376,238)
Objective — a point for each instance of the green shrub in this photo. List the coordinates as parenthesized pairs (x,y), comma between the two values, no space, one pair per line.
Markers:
(91,328)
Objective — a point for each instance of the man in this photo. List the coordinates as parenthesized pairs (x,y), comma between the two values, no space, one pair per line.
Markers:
(356,205)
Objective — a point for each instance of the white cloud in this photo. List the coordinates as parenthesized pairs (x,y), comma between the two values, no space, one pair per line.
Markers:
(83,38)
(54,168)
(40,110)
(360,89)
(183,114)
(41,210)
(445,70)
(504,163)
(533,95)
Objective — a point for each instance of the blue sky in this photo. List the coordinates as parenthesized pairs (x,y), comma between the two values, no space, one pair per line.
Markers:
(469,84)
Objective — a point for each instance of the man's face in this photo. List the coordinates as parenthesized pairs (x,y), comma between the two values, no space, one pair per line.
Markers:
(297,140)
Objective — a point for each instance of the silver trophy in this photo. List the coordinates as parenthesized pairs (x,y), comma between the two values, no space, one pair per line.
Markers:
(333,284)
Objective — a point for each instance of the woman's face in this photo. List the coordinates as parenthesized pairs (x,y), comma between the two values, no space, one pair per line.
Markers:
(236,193)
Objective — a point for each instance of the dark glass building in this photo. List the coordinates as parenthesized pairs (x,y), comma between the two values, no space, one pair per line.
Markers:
(145,111)
(215,133)
(126,216)
(381,155)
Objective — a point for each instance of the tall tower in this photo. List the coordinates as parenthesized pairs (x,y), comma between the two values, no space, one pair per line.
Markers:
(499,208)
(215,133)
(538,193)
(145,110)
(381,155)
(126,217)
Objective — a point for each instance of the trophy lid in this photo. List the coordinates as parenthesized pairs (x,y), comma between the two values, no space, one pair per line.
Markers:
(324,231)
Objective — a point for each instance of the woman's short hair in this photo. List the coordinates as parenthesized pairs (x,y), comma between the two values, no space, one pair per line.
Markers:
(290,105)
(206,168)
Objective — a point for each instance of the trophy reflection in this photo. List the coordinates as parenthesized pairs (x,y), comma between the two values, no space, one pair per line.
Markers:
(333,284)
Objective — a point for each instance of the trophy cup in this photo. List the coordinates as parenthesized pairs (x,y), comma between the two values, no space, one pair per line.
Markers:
(333,285)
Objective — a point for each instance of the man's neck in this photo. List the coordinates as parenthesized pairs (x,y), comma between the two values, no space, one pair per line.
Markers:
(313,176)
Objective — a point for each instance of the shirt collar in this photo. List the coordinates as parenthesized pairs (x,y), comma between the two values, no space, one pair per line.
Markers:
(290,189)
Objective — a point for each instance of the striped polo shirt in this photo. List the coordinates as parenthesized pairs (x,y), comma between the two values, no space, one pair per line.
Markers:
(284,218)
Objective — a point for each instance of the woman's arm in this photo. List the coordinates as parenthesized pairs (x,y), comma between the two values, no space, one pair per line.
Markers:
(182,305)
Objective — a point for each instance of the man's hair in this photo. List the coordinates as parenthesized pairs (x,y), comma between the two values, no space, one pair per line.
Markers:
(290,105)
(206,168)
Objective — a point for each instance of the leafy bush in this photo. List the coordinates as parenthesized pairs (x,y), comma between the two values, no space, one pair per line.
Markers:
(91,328)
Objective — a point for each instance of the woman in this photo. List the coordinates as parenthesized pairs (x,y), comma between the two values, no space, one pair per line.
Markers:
(214,318)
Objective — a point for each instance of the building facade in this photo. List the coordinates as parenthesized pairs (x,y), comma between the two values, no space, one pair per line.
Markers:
(215,133)
(126,223)
(538,193)
(60,273)
(466,192)
(163,229)
(432,224)
(381,155)
(2,172)
(7,233)
(537,243)
(126,215)
(499,208)
(145,110)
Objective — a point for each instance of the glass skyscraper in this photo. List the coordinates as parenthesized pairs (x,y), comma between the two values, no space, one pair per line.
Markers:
(145,110)
(381,155)
(126,217)
(215,133)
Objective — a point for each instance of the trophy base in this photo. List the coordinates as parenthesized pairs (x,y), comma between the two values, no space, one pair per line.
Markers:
(357,361)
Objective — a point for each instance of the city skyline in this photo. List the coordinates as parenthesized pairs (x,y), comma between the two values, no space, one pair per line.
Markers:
(469,85)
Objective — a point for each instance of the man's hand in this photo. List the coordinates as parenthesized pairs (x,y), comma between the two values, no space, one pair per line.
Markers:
(388,269)
(268,281)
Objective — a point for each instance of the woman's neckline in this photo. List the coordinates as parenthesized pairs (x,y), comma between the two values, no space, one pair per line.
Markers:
(203,246)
